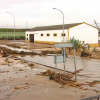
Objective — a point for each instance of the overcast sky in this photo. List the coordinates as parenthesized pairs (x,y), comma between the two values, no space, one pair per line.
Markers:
(33,13)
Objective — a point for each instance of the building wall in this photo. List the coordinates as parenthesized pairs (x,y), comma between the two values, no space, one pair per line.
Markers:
(82,32)
(51,38)
(27,38)
(85,33)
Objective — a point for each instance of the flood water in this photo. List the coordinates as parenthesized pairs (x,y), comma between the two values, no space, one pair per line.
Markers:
(90,67)
(16,49)
(9,76)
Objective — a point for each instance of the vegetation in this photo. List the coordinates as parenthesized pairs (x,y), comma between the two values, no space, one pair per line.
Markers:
(95,49)
(68,79)
(88,46)
(10,35)
(76,42)
(19,33)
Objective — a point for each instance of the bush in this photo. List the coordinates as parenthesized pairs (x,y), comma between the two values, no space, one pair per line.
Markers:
(76,42)
(88,46)
(95,49)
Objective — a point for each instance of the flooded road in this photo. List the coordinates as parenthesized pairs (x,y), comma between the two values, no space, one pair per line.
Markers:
(19,79)
(90,68)
(11,71)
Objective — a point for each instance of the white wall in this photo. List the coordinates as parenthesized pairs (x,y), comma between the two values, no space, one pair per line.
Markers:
(51,38)
(85,33)
(28,32)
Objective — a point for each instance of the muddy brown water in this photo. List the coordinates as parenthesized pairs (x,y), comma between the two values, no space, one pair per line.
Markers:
(12,73)
(90,68)
(13,78)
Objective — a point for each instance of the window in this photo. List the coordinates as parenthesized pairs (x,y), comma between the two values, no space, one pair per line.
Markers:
(55,34)
(41,34)
(48,34)
(63,34)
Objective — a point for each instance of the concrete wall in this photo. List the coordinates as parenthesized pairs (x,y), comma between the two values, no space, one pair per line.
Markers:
(85,33)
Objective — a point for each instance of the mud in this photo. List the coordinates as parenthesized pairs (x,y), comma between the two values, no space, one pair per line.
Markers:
(19,79)
(12,70)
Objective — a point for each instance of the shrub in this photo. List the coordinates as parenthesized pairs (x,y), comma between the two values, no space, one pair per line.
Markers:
(76,42)
(95,49)
(88,46)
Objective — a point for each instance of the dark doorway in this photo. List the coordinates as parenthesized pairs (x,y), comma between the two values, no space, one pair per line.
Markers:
(31,37)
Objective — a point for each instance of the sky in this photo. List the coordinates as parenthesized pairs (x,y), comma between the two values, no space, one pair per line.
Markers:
(35,13)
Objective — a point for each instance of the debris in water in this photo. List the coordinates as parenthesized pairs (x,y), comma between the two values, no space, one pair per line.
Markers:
(24,87)
(67,79)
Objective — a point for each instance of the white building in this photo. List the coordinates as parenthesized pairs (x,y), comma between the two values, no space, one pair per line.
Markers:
(51,34)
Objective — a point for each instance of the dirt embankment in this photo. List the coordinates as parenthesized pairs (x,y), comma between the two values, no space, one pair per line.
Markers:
(48,49)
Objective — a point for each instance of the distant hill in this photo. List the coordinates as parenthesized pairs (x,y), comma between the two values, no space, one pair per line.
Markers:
(11,30)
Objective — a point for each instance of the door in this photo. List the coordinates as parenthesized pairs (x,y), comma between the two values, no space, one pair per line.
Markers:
(31,37)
